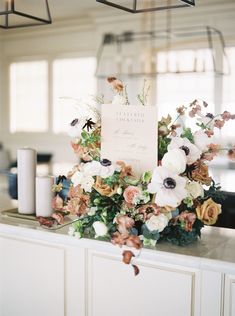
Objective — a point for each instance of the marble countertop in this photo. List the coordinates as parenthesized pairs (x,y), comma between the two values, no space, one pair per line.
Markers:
(215,250)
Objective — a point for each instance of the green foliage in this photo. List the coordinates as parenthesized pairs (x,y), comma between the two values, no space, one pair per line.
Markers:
(114,179)
(89,138)
(214,193)
(187,133)
(178,236)
(163,142)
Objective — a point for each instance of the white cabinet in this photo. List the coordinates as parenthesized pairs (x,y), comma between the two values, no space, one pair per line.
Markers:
(159,289)
(46,274)
(40,280)
(229,297)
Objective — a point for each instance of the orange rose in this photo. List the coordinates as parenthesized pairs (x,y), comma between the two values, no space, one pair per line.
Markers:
(104,189)
(208,212)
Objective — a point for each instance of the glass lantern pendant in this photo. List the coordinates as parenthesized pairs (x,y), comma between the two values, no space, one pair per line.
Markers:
(21,13)
(140,6)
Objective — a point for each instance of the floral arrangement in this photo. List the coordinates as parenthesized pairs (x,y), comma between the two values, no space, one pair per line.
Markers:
(172,203)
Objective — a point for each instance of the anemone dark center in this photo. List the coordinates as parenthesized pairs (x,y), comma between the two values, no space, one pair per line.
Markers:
(210,115)
(169,183)
(74,122)
(185,149)
(105,162)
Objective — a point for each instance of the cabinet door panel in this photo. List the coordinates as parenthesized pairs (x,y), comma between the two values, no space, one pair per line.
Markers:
(229,296)
(157,290)
(32,279)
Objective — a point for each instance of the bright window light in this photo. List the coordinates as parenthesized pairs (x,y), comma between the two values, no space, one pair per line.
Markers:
(178,89)
(73,80)
(29,96)
(229,94)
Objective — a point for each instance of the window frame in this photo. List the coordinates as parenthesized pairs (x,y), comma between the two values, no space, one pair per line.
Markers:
(50,58)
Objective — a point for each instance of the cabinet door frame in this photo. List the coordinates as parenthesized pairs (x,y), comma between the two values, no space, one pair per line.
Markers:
(193,273)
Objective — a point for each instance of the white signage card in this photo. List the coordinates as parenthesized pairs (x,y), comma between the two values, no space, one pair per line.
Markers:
(129,134)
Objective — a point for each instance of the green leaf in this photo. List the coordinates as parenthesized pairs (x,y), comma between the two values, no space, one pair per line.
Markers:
(187,133)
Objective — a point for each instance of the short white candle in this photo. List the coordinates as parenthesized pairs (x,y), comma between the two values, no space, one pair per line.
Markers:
(44,195)
(26,170)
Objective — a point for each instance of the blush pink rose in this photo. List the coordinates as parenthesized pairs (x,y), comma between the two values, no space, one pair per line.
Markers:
(131,193)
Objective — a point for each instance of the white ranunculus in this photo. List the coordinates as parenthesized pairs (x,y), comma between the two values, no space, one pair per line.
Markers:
(77,235)
(119,99)
(174,160)
(157,222)
(168,186)
(71,231)
(201,140)
(100,229)
(77,178)
(194,189)
(87,183)
(92,211)
(192,152)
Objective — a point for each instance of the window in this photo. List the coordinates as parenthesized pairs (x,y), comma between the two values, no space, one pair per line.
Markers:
(29,96)
(229,94)
(73,80)
(176,89)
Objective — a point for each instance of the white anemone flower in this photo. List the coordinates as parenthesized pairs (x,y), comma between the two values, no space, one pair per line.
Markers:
(75,129)
(192,152)
(168,186)
(201,140)
(103,169)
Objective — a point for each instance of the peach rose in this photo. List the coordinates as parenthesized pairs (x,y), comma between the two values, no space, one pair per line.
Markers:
(104,189)
(208,212)
(131,193)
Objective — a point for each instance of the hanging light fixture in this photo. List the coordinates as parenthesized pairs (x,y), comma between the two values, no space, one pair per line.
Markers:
(140,6)
(14,15)
(118,52)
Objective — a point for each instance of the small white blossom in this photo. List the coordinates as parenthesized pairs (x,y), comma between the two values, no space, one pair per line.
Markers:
(77,235)
(157,222)
(92,211)
(194,189)
(100,229)
(71,231)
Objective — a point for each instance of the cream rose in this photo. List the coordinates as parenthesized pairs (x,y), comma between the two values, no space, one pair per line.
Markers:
(157,222)
(100,229)
(174,160)
(208,212)
(194,189)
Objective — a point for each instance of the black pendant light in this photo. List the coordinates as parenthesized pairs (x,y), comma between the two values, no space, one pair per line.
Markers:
(140,6)
(13,15)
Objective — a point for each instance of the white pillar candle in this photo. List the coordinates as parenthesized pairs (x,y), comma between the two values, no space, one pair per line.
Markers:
(44,195)
(26,167)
